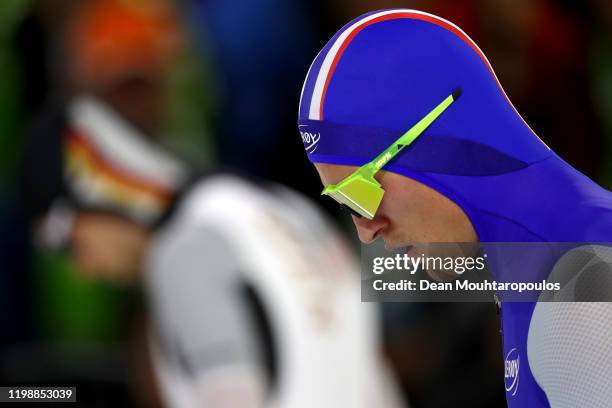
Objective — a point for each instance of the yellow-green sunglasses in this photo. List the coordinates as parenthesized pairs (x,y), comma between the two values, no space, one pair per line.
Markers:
(360,192)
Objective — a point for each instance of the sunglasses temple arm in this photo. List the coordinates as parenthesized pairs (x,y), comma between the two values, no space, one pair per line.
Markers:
(407,138)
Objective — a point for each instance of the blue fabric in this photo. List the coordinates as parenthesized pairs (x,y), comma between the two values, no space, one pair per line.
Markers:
(479,153)
(435,153)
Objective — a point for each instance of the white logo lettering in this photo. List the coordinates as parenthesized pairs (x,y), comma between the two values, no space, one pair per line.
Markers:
(511,371)
(310,140)
(381,162)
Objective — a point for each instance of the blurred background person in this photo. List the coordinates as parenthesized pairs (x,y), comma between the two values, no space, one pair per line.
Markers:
(97,179)
(94,144)
(255,303)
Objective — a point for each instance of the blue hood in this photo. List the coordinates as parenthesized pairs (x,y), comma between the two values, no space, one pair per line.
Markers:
(385,70)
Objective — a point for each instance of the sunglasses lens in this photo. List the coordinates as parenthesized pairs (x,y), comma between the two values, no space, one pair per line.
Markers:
(349,210)
(361,196)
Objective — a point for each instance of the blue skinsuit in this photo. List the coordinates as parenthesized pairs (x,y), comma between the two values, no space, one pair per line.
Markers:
(479,153)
